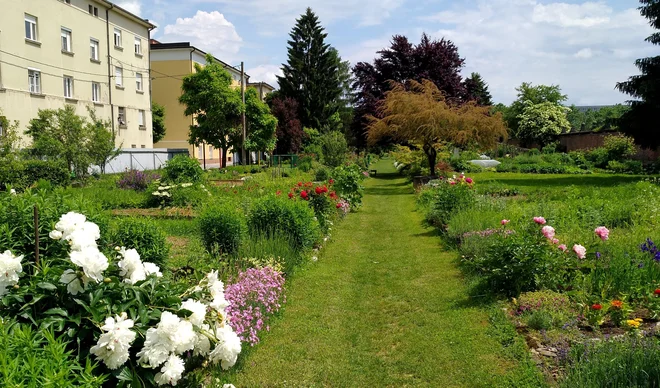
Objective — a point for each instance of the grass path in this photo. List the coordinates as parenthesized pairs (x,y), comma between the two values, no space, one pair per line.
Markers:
(384,306)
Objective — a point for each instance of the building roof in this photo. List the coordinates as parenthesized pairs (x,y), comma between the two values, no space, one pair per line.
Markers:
(134,17)
(586,108)
(156,45)
(262,84)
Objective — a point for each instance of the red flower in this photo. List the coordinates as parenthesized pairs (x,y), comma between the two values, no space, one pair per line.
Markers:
(657,291)
(338,205)
(596,306)
(309,184)
(325,189)
(331,181)
(278,192)
(290,195)
(318,190)
(469,180)
(617,304)
(303,194)
(300,184)
(333,195)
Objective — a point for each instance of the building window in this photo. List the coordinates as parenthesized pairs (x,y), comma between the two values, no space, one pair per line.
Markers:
(143,146)
(121,116)
(67,1)
(96,92)
(68,86)
(117,37)
(133,146)
(142,119)
(119,76)
(31,27)
(138,82)
(34,80)
(66,39)
(94,49)
(93,10)
(138,46)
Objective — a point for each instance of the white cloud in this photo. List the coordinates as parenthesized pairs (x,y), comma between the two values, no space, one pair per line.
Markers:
(265,73)
(585,48)
(277,16)
(209,31)
(585,53)
(132,6)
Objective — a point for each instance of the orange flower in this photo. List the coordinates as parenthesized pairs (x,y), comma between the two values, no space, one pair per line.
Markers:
(617,304)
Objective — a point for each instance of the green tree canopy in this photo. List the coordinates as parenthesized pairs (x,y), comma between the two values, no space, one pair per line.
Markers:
(261,124)
(101,146)
(528,93)
(477,90)
(310,75)
(540,123)
(158,121)
(641,121)
(217,108)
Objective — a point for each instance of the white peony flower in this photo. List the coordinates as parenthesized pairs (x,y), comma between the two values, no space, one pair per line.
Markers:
(171,372)
(186,184)
(73,285)
(112,346)
(227,349)
(55,234)
(202,342)
(80,239)
(198,310)
(172,335)
(12,191)
(69,222)
(228,386)
(92,261)
(152,269)
(131,267)
(219,304)
(10,268)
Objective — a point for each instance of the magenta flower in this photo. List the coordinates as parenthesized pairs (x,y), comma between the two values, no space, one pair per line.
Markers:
(555,241)
(580,251)
(469,180)
(563,247)
(504,222)
(548,231)
(602,232)
(539,220)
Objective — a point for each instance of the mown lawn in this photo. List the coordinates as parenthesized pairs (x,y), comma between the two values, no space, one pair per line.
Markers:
(385,305)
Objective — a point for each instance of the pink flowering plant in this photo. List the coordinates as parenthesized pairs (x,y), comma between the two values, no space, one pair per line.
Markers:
(255,296)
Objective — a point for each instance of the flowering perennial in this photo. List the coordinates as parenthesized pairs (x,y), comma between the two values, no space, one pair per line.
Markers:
(256,295)
(112,346)
(10,269)
(539,220)
(580,251)
(602,232)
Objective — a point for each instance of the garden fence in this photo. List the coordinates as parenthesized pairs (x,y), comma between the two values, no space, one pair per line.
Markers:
(142,159)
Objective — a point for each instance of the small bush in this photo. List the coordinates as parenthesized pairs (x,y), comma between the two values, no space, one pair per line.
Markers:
(261,249)
(142,235)
(446,200)
(305,163)
(322,174)
(183,169)
(348,184)
(223,228)
(272,216)
(619,147)
(136,180)
(334,148)
(53,171)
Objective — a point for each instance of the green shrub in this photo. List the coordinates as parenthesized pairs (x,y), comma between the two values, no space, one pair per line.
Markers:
(348,184)
(34,357)
(264,249)
(275,216)
(322,174)
(446,201)
(21,174)
(624,362)
(334,147)
(222,228)
(619,147)
(550,148)
(305,163)
(183,169)
(143,235)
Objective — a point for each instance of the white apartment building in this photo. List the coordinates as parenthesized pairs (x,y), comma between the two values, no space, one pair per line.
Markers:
(84,53)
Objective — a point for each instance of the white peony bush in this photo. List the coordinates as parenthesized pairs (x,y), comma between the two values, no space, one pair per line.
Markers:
(154,326)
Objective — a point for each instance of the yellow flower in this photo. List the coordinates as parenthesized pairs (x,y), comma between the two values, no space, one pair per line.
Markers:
(634,323)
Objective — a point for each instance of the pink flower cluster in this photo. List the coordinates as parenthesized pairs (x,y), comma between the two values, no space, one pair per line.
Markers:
(539,220)
(256,295)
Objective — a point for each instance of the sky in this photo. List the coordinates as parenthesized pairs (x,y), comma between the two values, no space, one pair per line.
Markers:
(585,47)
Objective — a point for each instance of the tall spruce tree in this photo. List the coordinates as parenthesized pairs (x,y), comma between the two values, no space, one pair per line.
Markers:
(310,75)
(477,90)
(641,120)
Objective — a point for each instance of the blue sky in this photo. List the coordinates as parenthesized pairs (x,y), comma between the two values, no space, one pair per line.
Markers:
(584,46)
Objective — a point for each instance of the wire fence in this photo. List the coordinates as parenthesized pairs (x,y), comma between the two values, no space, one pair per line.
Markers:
(142,159)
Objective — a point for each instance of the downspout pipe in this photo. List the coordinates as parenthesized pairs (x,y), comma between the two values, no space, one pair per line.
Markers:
(107,30)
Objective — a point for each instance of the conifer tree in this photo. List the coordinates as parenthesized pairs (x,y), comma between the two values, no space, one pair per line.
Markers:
(310,74)
(477,90)
(641,120)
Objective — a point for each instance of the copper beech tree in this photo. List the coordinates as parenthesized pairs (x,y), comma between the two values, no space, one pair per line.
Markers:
(420,114)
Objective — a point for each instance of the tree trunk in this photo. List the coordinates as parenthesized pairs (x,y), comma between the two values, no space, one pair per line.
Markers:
(431,154)
(223,157)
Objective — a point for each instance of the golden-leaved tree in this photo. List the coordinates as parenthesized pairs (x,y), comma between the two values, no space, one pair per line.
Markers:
(420,114)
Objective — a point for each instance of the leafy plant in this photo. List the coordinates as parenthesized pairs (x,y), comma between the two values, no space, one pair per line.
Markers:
(348,184)
(182,169)
(223,228)
(136,180)
(143,235)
